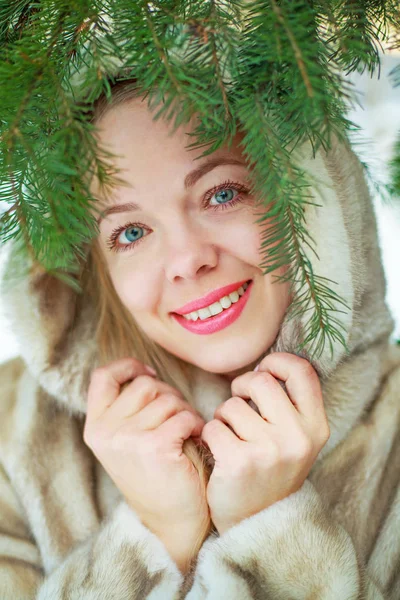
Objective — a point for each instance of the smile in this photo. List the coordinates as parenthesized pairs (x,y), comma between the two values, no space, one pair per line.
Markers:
(205,324)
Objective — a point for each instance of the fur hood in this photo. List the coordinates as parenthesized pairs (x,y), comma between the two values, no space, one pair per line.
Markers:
(55,327)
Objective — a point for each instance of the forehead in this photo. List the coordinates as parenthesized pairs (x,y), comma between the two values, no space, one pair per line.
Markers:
(132,124)
(146,148)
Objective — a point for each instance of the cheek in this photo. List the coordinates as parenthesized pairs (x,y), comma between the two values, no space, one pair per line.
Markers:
(244,240)
(134,290)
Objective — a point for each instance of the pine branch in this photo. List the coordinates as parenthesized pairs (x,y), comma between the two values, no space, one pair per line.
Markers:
(286,234)
(239,64)
(296,48)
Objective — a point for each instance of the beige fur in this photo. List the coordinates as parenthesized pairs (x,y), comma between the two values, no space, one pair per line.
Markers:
(65,531)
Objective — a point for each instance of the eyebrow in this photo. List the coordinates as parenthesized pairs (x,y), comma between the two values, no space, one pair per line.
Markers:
(190,180)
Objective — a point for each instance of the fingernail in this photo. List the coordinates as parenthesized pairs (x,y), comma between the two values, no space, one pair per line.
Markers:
(150,370)
(257,367)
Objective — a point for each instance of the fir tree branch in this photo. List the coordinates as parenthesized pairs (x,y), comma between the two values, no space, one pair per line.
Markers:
(36,79)
(162,54)
(218,69)
(297,52)
(321,326)
(211,57)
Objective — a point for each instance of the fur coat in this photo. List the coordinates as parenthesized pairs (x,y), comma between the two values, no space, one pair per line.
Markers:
(66,532)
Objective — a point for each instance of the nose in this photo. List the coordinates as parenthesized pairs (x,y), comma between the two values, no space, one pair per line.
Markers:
(189,252)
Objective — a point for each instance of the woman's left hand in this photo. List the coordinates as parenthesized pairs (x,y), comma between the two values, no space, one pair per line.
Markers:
(265,458)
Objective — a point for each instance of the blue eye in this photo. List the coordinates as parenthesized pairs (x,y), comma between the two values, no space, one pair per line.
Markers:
(224,193)
(130,230)
(226,199)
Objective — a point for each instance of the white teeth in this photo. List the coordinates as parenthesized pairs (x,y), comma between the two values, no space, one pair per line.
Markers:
(225,302)
(234,296)
(217,307)
(204,313)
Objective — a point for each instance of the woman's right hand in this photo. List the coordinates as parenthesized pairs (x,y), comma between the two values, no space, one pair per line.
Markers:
(137,435)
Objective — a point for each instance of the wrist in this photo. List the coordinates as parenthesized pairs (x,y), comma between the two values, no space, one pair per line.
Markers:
(183,545)
(182,560)
(181,553)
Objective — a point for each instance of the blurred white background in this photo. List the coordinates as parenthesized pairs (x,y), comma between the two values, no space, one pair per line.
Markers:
(379,117)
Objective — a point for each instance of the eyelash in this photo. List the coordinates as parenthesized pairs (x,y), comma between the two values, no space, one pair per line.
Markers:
(112,240)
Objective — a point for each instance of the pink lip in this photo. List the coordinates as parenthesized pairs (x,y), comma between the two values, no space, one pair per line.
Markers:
(209,298)
(218,322)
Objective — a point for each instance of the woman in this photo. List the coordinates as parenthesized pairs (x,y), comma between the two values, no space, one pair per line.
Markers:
(106,490)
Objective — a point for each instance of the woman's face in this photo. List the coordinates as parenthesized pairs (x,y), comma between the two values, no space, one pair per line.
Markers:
(191,232)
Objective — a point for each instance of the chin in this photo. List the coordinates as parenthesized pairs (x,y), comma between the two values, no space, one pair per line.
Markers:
(231,370)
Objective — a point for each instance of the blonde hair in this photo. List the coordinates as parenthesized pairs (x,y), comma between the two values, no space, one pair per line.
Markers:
(118,335)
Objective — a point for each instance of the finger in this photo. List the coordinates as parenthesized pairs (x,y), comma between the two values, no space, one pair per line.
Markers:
(221,440)
(181,426)
(162,408)
(265,391)
(301,381)
(105,384)
(140,392)
(245,422)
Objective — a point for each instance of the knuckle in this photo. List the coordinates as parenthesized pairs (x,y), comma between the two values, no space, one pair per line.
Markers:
(126,362)
(306,367)
(173,391)
(185,415)
(260,377)
(135,362)
(190,416)
(144,379)
(172,401)
(144,384)
(185,418)
(233,402)
(212,427)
